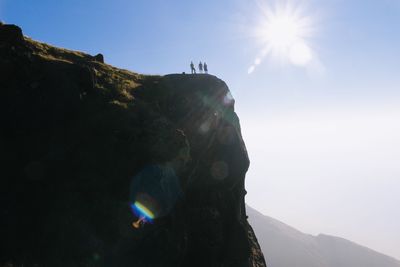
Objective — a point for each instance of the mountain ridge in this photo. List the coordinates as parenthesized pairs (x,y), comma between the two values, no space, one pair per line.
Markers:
(308,250)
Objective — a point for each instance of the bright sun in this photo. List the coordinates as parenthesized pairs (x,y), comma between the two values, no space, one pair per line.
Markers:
(283,32)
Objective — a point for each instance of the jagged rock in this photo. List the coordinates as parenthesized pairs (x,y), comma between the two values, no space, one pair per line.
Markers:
(76,133)
(99,58)
(10,34)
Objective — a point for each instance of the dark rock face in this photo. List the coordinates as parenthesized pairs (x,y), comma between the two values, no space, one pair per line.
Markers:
(11,34)
(99,58)
(75,132)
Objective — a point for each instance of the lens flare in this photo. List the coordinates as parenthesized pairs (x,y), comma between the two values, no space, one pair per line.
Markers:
(205,127)
(284,33)
(139,222)
(144,214)
(219,170)
(300,54)
(143,210)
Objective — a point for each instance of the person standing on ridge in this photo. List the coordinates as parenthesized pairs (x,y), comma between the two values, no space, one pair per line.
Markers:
(200,67)
(192,68)
(205,68)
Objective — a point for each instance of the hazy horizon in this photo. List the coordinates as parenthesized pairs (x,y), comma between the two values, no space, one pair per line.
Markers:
(316,88)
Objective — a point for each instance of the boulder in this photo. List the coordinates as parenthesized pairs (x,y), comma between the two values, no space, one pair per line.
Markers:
(99,58)
(10,34)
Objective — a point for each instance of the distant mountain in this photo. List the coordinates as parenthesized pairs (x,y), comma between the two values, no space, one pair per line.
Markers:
(284,246)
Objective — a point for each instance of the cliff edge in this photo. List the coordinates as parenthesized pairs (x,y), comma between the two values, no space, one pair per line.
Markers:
(78,138)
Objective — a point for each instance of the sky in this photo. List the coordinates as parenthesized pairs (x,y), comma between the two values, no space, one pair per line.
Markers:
(316,86)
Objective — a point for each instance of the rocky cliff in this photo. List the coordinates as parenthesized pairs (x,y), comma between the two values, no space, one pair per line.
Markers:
(75,136)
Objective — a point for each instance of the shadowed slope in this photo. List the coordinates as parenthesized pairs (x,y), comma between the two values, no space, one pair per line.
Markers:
(75,131)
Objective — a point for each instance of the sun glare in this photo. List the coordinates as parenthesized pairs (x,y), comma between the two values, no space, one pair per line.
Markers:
(283,32)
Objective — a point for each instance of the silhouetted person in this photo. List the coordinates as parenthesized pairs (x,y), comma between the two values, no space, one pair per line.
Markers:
(205,68)
(192,68)
(200,67)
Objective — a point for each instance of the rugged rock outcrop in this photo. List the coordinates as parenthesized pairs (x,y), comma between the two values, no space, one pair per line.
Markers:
(74,133)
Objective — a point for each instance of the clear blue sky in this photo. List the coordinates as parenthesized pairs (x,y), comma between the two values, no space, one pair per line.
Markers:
(322,136)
